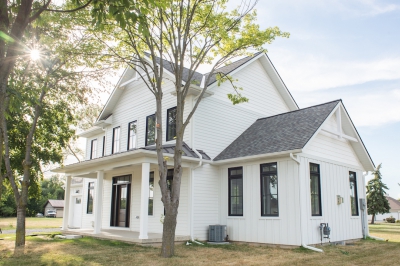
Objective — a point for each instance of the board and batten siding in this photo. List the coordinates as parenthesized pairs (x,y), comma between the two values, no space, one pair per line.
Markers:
(334,178)
(252,227)
(218,122)
(206,199)
(87,218)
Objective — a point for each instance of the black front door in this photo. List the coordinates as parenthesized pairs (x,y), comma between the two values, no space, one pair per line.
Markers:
(120,201)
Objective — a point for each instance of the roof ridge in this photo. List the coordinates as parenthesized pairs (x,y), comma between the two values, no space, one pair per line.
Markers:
(339,100)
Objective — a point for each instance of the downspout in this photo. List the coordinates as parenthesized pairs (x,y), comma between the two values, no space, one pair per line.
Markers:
(192,176)
(304,245)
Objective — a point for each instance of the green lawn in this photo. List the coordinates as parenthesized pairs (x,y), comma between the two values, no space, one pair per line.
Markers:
(31,223)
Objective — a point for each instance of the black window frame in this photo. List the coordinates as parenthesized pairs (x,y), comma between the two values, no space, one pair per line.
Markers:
(318,175)
(90,199)
(169,135)
(147,129)
(113,140)
(150,211)
(355,193)
(91,148)
(129,135)
(267,174)
(230,178)
(103,152)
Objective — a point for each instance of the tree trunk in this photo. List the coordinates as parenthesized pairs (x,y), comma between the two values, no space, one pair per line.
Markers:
(373,219)
(169,227)
(20,233)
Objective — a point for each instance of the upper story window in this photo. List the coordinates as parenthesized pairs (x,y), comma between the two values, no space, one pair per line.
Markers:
(315,188)
(132,135)
(353,194)
(150,130)
(269,190)
(171,123)
(116,139)
(235,197)
(90,197)
(93,149)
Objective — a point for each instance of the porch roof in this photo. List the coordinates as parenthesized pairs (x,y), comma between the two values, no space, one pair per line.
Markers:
(129,158)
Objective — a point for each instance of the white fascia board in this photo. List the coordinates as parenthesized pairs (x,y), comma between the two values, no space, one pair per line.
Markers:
(118,160)
(255,157)
(90,132)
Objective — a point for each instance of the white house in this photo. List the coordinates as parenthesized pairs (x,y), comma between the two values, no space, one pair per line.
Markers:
(268,170)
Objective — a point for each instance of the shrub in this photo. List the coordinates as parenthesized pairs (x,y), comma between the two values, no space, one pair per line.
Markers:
(398,221)
(390,219)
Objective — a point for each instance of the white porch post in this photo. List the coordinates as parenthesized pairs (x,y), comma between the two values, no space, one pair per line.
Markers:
(98,201)
(144,201)
(67,200)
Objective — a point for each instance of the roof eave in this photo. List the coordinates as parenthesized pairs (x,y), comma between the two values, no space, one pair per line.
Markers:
(255,157)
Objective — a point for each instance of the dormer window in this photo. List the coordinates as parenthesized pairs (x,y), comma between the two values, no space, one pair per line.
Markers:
(171,124)
(150,130)
(132,135)
(93,149)
(115,140)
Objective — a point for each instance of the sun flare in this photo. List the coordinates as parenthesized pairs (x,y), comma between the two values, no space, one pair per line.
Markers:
(35,54)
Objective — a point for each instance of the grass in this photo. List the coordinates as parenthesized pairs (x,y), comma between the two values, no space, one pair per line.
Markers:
(44,250)
(31,223)
(388,231)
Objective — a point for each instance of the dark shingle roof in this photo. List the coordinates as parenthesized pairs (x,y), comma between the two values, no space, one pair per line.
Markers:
(187,151)
(56,203)
(229,68)
(283,132)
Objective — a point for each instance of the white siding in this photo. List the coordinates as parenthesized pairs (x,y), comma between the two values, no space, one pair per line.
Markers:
(334,180)
(330,147)
(206,197)
(87,218)
(218,122)
(252,227)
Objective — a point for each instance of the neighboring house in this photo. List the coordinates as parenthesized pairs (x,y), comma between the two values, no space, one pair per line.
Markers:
(56,205)
(394,210)
(268,170)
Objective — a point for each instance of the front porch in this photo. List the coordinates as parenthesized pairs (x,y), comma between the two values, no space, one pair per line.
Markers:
(122,235)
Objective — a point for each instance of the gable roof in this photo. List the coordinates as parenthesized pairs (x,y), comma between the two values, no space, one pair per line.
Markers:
(55,203)
(393,203)
(283,132)
(198,77)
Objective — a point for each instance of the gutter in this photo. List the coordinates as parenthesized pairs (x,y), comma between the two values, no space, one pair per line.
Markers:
(303,244)
(254,157)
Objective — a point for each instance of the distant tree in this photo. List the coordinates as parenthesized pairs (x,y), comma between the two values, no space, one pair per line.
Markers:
(376,200)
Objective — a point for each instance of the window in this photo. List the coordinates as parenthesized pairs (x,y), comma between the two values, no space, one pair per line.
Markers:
(132,135)
(171,124)
(93,149)
(235,191)
(353,194)
(90,197)
(115,140)
(150,130)
(151,191)
(104,146)
(269,189)
(315,188)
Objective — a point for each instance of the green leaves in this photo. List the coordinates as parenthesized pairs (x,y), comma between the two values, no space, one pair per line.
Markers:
(376,200)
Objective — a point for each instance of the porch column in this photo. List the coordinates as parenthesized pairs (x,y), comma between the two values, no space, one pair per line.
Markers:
(144,201)
(67,200)
(98,201)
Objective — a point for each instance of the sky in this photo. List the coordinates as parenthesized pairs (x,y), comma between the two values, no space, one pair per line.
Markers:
(349,50)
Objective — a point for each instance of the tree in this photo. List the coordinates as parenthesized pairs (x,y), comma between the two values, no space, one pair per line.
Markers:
(42,97)
(376,200)
(189,33)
